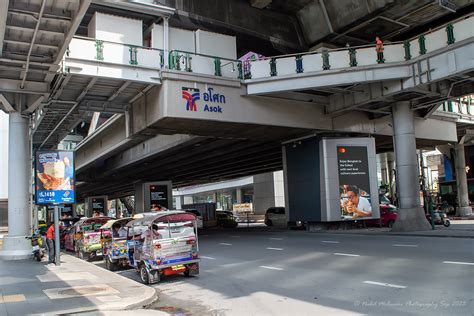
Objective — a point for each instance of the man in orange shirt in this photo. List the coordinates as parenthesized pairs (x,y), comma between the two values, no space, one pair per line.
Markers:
(379,50)
(50,243)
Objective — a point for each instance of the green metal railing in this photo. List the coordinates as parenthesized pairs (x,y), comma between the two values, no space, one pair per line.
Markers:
(176,57)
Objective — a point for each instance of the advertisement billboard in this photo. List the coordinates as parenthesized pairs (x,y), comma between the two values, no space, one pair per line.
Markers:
(158,197)
(54,177)
(354,182)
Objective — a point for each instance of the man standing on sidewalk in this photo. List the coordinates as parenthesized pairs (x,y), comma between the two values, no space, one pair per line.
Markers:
(50,243)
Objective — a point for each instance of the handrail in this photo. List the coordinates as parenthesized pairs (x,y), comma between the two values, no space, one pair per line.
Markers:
(110,42)
(205,55)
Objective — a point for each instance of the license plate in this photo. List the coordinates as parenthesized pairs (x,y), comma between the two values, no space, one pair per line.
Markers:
(178,267)
(36,247)
(176,230)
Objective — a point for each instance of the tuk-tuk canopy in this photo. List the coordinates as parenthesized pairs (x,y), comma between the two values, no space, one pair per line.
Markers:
(92,220)
(171,216)
(119,221)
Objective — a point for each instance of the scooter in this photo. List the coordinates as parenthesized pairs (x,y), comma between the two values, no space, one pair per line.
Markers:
(37,245)
(439,218)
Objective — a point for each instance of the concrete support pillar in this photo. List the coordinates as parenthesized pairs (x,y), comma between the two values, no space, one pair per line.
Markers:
(239,195)
(461,182)
(166,33)
(411,216)
(15,246)
(179,202)
(391,180)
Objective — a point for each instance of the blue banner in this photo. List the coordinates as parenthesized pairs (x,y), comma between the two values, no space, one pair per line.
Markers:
(54,177)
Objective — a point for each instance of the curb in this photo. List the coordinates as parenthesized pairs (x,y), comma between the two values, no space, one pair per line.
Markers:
(150,294)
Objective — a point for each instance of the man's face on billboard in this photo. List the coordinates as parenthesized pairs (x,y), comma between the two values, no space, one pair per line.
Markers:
(354,198)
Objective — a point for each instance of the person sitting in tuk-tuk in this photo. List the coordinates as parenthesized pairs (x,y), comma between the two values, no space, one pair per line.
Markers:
(119,231)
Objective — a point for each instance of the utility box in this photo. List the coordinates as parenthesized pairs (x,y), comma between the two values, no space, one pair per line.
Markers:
(116,29)
(331,179)
(215,44)
(179,39)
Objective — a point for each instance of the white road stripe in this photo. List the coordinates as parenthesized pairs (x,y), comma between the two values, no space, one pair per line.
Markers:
(205,257)
(271,248)
(235,236)
(271,268)
(346,254)
(276,238)
(386,284)
(330,241)
(225,244)
(459,262)
(402,245)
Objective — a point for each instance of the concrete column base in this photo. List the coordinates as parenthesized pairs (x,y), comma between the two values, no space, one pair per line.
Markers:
(411,219)
(464,211)
(16,248)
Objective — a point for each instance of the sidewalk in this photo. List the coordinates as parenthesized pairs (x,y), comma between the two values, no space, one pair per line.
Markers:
(458,229)
(29,287)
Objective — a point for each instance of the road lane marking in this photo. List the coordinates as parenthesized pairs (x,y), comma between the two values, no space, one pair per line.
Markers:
(206,257)
(459,262)
(234,236)
(346,254)
(271,268)
(330,241)
(276,238)
(386,284)
(14,298)
(271,248)
(225,244)
(404,245)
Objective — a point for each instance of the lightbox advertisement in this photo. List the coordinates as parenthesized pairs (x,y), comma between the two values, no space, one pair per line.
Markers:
(354,182)
(54,177)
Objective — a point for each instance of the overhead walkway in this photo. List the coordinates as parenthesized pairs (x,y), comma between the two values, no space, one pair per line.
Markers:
(427,69)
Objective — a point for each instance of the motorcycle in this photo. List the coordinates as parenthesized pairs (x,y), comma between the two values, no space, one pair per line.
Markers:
(37,246)
(439,218)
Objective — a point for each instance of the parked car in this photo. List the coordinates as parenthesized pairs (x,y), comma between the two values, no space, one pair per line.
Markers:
(226,219)
(275,216)
(388,215)
(198,215)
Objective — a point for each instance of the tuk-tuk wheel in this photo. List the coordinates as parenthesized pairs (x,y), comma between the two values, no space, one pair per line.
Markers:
(111,266)
(144,276)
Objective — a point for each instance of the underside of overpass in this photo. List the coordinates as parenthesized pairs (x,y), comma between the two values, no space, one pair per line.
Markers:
(192,160)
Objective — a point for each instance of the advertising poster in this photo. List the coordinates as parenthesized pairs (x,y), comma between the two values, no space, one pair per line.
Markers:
(158,197)
(54,177)
(354,182)
(98,205)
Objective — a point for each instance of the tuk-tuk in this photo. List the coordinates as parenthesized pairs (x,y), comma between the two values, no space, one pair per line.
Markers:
(163,244)
(114,239)
(87,237)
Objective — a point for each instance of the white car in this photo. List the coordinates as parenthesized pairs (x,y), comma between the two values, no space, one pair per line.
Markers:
(275,216)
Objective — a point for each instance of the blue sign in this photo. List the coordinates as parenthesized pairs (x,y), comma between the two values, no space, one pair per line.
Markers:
(54,177)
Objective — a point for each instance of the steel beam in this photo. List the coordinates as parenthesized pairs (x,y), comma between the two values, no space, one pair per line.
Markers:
(6,104)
